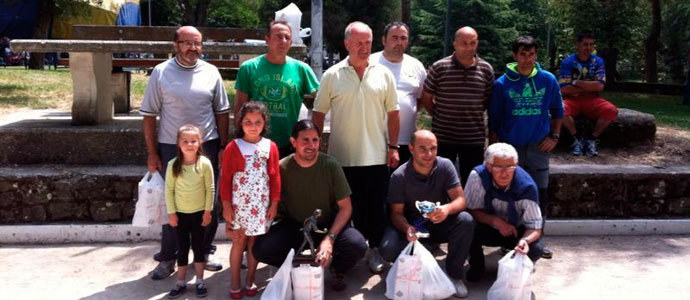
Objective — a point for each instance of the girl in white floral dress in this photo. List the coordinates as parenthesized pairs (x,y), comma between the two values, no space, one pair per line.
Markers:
(249,191)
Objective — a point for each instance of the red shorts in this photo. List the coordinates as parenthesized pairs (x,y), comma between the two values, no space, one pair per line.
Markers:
(592,106)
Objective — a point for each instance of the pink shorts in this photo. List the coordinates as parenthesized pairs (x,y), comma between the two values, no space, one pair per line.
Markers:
(592,106)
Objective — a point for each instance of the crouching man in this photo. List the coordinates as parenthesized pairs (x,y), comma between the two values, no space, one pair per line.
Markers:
(504,202)
(431,178)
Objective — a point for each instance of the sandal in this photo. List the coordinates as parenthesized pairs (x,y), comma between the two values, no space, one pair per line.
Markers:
(251,291)
(236,294)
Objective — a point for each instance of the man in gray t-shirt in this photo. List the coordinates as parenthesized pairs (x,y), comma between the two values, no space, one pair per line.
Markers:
(431,178)
(184,90)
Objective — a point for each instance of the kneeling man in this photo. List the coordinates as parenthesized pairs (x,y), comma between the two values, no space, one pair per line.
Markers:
(504,202)
(431,178)
(310,180)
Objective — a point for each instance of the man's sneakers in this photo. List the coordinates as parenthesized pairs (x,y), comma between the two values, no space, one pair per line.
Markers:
(177,291)
(460,288)
(588,147)
(375,261)
(576,147)
(548,254)
(163,269)
(201,290)
(212,264)
(591,147)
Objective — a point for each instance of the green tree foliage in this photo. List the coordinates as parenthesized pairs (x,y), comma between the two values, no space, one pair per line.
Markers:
(494,20)
(675,36)
(234,13)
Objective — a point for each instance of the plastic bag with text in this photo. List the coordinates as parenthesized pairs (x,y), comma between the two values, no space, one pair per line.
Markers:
(150,208)
(513,280)
(404,279)
(307,282)
(280,287)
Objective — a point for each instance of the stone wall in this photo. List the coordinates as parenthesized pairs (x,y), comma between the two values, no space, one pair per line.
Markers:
(68,194)
(619,191)
(62,194)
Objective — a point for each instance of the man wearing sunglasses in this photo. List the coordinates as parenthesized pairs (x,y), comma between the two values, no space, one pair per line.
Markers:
(181,90)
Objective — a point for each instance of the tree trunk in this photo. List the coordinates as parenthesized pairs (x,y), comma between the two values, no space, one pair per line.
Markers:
(651,44)
(201,12)
(610,56)
(46,9)
(405,11)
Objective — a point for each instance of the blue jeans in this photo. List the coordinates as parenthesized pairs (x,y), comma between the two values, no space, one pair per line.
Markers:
(169,234)
(456,230)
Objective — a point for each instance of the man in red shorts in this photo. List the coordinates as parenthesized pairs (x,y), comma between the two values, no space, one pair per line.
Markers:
(581,78)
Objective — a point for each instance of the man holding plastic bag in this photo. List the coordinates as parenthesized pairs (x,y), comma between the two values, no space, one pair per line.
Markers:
(427,177)
(503,199)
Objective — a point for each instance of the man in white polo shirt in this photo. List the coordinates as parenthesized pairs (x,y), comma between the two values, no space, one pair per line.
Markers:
(409,76)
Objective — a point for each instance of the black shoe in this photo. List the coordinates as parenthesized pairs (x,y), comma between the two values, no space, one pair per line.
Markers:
(177,291)
(163,270)
(338,283)
(475,274)
(211,263)
(201,290)
(548,254)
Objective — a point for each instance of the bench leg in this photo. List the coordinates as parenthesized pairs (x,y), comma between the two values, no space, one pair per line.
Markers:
(93,102)
(120,84)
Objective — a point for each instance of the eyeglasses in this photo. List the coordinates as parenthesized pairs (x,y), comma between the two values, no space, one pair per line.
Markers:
(503,168)
(190,43)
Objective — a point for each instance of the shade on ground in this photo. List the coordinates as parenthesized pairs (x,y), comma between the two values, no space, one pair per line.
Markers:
(632,267)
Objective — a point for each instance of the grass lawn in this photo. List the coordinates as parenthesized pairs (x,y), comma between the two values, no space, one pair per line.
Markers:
(668,110)
(22,89)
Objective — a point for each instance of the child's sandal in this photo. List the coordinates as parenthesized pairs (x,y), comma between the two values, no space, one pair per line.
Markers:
(251,291)
(236,294)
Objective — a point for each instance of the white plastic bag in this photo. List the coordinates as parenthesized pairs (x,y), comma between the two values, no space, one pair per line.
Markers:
(513,280)
(307,282)
(435,282)
(150,208)
(404,279)
(280,287)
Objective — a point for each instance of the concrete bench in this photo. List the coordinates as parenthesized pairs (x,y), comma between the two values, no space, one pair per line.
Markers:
(91,62)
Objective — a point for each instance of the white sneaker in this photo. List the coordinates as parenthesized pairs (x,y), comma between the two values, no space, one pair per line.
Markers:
(375,261)
(460,288)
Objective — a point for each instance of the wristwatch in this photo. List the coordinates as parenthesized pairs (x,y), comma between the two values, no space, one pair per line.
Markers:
(396,147)
(332,235)
(554,136)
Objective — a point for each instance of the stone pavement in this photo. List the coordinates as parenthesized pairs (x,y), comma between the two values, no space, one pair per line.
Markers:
(583,267)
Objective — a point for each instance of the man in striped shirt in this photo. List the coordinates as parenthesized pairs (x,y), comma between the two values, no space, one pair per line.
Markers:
(504,202)
(456,93)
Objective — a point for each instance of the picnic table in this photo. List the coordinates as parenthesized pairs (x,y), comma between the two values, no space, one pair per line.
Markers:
(91,63)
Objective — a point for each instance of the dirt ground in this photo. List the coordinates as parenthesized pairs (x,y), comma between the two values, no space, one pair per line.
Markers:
(671,147)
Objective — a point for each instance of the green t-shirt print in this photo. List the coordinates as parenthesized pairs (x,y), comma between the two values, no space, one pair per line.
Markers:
(281,88)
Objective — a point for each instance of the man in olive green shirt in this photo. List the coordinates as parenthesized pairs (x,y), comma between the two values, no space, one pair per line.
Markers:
(313,180)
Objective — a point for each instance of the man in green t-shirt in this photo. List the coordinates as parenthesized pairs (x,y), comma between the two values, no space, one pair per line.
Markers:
(278,81)
(310,180)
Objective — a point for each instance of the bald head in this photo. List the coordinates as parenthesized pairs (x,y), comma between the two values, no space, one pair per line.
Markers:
(186,30)
(423,148)
(358,38)
(422,134)
(466,32)
(357,27)
(465,45)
